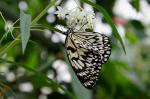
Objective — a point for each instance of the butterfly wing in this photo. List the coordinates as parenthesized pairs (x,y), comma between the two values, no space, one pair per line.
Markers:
(87,51)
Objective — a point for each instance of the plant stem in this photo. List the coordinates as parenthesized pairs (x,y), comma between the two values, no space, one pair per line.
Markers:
(40,74)
(44,11)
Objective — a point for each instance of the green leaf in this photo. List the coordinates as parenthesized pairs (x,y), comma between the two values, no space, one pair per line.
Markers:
(136,4)
(25,23)
(8,46)
(108,19)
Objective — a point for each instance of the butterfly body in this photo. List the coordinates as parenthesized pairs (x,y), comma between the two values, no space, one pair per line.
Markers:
(87,51)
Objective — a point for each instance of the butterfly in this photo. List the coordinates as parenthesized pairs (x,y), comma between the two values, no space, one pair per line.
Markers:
(87,51)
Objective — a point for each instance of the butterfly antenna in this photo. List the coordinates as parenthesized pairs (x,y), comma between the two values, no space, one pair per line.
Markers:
(83,26)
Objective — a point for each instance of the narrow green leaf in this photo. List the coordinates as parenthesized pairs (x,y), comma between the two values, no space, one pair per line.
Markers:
(8,46)
(25,23)
(108,19)
(136,4)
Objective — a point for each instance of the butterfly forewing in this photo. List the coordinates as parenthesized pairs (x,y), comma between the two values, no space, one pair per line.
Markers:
(87,51)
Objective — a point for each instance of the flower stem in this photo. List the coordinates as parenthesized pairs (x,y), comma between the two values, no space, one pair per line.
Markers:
(78,5)
(43,12)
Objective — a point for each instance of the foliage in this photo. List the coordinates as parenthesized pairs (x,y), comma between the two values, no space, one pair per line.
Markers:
(28,54)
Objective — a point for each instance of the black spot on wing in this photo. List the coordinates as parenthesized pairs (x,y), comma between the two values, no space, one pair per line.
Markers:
(71,49)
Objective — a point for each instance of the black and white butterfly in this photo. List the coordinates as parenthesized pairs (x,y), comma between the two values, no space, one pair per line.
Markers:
(87,51)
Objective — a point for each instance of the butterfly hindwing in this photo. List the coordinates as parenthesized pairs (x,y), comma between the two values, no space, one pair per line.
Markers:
(87,51)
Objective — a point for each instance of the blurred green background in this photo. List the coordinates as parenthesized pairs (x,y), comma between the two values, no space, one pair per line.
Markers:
(43,71)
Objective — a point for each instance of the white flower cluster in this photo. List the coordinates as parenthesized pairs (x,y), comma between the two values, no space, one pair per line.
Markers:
(76,18)
(9,26)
